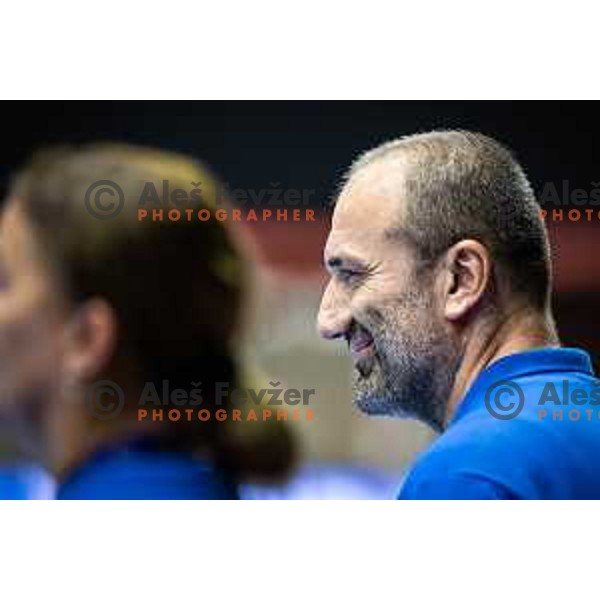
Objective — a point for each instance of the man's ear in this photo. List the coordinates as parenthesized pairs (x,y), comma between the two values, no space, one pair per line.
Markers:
(466,276)
(91,338)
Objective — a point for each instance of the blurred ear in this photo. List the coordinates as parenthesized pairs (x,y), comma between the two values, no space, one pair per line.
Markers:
(466,277)
(91,338)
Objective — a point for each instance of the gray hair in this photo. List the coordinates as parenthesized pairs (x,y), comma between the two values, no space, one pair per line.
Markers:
(463,185)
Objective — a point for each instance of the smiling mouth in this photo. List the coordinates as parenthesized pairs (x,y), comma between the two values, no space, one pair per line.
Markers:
(364,346)
(363,355)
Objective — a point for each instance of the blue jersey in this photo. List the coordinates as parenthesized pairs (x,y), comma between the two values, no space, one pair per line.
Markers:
(140,471)
(528,428)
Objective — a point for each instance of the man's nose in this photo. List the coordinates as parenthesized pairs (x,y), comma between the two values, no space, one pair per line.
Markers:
(334,313)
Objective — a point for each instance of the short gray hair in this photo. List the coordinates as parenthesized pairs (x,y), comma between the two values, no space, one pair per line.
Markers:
(463,185)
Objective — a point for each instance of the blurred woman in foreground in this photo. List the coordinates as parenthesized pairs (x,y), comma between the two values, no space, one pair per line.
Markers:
(99,309)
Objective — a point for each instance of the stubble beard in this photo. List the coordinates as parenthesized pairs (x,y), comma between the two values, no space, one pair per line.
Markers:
(412,370)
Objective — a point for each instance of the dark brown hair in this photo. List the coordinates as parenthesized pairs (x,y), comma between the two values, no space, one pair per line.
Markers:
(177,287)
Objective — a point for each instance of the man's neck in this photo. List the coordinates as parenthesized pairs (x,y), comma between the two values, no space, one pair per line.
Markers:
(524,329)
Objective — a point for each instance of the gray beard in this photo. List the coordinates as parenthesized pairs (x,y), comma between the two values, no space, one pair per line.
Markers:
(411,373)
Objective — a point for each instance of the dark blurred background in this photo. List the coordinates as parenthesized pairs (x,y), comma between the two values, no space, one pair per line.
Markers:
(308,146)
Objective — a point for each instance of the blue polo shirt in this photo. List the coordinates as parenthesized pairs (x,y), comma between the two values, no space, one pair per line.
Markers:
(140,471)
(528,428)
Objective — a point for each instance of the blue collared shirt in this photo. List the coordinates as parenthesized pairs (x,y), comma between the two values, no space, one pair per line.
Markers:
(139,471)
(528,428)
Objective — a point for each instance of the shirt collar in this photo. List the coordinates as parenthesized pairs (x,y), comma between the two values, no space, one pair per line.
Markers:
(521,364)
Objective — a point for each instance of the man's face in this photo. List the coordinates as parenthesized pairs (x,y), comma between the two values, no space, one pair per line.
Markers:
(383,306)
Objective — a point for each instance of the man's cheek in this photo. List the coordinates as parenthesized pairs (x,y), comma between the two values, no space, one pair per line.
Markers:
(363,308)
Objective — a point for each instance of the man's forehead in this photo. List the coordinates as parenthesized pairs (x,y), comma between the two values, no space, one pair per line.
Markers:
(371,200)
(362,216)
(357,208)
(384,176)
